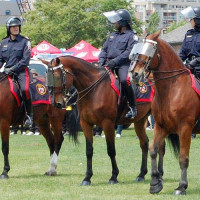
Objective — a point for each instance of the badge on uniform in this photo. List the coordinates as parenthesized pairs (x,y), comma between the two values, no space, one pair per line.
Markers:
(111,36)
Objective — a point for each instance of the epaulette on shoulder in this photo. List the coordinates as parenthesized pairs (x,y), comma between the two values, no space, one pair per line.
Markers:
(5,37)
(190,31)
(25,37)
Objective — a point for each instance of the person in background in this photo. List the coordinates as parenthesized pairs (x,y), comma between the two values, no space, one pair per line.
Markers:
(116,50)
(119,131)
(33,130)
(71,111)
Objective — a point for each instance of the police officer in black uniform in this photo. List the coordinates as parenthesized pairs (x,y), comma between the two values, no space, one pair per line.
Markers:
(15,52)
(116,50)
(190,50)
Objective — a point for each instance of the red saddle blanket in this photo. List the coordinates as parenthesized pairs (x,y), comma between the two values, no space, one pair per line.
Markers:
(195,83)
(144,91)
(40,94)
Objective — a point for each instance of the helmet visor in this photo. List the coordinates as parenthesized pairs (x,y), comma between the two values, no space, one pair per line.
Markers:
(188,13)
(112,16)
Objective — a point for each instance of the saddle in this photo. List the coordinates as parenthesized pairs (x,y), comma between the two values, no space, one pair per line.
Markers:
(144,91)
(40,93)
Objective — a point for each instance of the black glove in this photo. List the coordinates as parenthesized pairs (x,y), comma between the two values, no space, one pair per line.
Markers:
(9,71)
(193,63)
(111,64)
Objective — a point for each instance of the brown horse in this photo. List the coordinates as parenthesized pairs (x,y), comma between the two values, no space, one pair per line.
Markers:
(98,105)
(44,115)
(175,107)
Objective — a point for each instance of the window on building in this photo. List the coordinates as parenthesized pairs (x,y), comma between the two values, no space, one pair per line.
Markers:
(7,12)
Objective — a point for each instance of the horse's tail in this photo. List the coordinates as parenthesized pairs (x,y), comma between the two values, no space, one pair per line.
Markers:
(175,143)
(73,125)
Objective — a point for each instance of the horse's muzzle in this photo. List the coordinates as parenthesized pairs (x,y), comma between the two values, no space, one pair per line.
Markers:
(59,105)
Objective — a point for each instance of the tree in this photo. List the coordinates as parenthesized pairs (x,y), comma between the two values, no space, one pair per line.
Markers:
(154,20)
(2,32)
(174,25)
(65,22)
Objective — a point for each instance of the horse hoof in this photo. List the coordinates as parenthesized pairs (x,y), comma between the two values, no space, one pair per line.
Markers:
(179,192)
(86,183)
(156,187)
(4,176)
(112,182)
(140,179)
(50,173)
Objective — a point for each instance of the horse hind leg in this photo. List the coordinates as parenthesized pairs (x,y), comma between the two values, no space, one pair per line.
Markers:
(185,142)
(5,149)
(144,144)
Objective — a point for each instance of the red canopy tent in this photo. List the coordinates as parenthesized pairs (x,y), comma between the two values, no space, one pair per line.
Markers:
(85,51)
(45,48)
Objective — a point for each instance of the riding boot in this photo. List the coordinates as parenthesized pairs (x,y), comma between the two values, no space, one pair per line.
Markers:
(130,95)
(28,121)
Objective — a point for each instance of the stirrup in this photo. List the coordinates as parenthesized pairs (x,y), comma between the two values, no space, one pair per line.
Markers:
(28,121)
(131,113)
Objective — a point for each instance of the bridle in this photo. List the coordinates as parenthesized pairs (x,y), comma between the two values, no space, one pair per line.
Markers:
(149,49)
(53,83)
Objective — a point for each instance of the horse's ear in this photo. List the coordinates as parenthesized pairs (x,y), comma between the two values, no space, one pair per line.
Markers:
(155,35)
(44,61)
(58,61)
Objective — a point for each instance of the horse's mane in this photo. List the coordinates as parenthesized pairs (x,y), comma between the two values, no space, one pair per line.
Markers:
(81,60)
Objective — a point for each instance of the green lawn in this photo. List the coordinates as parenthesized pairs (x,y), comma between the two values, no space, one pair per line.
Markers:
(29,159)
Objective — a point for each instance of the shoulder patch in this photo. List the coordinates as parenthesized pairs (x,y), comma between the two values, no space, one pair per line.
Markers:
(135,37)
(29,45)
(190,32)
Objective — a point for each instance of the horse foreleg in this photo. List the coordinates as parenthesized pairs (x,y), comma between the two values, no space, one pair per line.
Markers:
(185,141)
(87,130)
(44,127)
(161,156)
(109,130)
(144,144)
(58,140)
(156,184)
(5,149)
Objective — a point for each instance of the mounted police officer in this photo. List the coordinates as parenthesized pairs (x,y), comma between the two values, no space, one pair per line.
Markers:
(15,52)
(190,50)
(116,50)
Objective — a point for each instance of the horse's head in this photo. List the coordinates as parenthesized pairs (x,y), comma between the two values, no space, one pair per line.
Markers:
(144,57)
(60,79)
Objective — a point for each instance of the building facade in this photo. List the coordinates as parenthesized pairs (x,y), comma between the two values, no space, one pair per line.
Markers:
(169,10)
(16,8)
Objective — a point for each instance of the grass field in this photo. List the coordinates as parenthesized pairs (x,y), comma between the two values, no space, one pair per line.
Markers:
(29,159)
